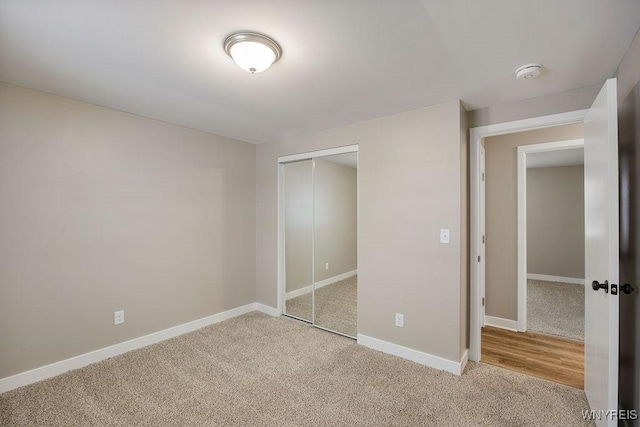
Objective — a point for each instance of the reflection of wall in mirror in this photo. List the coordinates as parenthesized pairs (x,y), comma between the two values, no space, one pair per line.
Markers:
(298,195)
(336,219)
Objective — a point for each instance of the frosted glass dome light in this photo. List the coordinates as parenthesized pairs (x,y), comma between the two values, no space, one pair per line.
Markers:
(253,52)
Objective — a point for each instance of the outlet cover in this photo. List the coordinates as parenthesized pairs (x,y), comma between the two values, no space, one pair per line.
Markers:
(326,265)
(118,317)
(400,320)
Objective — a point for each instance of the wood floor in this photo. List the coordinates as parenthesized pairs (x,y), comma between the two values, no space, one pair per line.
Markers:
(545,356)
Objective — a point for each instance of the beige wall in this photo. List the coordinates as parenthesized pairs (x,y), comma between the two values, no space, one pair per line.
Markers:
(410,188)
(555,221)
(336,219)
(501,213)
(102,210)
(298,220)
(572,100)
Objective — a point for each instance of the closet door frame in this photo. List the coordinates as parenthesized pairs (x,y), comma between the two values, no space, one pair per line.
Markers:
(281,214)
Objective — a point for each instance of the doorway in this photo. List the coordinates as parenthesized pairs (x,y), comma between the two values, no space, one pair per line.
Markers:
(543,335)
(478,240)
(318,241)
(551,238)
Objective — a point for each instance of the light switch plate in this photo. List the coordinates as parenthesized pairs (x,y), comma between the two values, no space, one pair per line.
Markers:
(444,235)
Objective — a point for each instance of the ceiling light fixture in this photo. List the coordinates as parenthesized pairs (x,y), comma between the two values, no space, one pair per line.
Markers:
(253,52)
(529,71)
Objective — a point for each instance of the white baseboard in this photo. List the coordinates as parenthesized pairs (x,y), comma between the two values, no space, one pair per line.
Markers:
(548,278)
(298,292)
(499,322)
(267,309)
(414,355)
(57,368)
(325,282)
(335,279)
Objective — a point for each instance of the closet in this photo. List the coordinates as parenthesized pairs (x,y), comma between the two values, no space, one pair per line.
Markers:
(318,238)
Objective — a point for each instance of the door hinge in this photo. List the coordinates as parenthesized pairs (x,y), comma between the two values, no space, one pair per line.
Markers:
(483,301)
(483,238)
(478,258)
(483,176)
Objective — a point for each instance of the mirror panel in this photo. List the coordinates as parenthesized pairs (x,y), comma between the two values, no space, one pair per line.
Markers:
(298,245)
(335,243)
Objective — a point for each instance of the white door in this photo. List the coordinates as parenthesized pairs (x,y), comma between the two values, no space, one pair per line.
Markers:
(601,252)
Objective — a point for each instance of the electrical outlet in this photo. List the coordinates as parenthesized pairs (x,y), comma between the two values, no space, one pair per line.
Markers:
(326,265)
(400,320)
(118,317)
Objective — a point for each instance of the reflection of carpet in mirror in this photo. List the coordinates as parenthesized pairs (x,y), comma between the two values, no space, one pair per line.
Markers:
(335,306)
(300,307)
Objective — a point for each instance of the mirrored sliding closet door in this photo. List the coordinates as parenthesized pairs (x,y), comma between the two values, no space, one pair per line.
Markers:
(297,180)
(335,201)
(320,206)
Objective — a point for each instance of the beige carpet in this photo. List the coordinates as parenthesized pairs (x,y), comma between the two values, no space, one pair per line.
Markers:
(260,370)
(555,308)
(335,306)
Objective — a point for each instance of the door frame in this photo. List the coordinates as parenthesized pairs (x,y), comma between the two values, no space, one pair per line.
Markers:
(281,240)
(482,204)
(523,151)
(477,134)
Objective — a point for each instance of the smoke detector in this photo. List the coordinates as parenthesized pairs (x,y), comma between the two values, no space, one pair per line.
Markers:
(529,71)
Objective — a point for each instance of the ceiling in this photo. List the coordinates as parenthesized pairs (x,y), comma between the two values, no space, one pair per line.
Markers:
(550,159)
(343,61)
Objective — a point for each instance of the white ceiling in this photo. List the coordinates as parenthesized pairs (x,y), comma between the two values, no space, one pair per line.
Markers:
(343,61)
(550,159)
